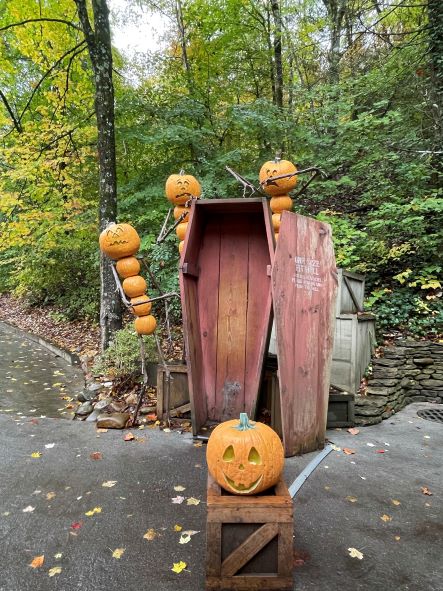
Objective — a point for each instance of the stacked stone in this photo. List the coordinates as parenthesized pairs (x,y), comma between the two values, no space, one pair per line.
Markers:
(412,371)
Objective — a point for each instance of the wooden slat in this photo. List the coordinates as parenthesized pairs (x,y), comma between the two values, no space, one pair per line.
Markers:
(249,548)
(250,583)
(304,283)
(213,549)
(285,549)
(232,311)
(250,515)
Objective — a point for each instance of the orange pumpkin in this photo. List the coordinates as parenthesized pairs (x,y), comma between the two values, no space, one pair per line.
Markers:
(141,305)
(279,204)
(181,246)
(179,210)
(119,240)
(145,324)
(245,458)
(181,187)
(274,168)
(276,221)
(128,267)
(180,230)
(134,286)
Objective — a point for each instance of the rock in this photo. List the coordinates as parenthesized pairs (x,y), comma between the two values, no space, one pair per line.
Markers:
(428,371)
(382,361)
(94,386)
(146,410)
(117,405)
(115,420)
(382,382)
(84,409)
(365,421)
(366,401)
(380,390)
(407,383)
(423,361)
(131,399)
(438,376)
(382,373)
(93,416)
(387,414)
(432,384)
(101,404)
(394,352)
(107,384)
(368,412)
(412,372)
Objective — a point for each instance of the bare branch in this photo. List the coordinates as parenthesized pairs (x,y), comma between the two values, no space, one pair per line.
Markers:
(16,121)
(39,20)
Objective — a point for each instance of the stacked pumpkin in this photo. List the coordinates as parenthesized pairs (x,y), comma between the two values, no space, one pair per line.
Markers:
(180,189)
(245,457)
(278,189)
(120,242)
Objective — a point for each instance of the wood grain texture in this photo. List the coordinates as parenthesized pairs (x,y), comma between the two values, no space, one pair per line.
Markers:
(304,283)
(250,583)
(255,542)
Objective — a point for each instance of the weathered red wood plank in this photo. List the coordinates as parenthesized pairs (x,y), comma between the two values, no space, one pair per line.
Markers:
(232,311)
(304,282)
(209,260)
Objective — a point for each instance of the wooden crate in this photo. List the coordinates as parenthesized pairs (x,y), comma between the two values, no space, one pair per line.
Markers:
(249,540)
(178,390)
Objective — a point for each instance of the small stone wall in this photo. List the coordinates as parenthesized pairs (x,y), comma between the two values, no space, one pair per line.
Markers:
(412,371)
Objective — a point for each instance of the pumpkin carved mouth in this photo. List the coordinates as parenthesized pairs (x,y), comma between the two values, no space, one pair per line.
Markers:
(241,488)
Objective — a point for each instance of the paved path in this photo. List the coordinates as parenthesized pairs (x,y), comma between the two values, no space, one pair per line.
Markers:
(370,501)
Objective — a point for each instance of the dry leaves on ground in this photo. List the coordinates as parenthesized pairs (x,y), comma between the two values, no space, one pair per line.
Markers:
(37,561)
(354,553)
(178,566)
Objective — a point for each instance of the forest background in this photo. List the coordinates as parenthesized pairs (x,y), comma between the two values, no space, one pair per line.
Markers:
(354,87)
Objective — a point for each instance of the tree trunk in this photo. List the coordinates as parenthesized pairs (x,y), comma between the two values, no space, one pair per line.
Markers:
(276,14)
(435,14)
(99,46)
(336,12)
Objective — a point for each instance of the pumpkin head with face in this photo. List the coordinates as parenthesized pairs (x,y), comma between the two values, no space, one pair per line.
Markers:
(276,168)
(180,188)
(245,458)
(119,240)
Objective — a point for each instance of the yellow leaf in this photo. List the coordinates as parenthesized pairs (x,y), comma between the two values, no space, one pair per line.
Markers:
(386,518)
(93,511)
(351,499)
(397,538)
(58,555)
(179,488)
(118,552)
(177,528)
(395,502)
(354,553)
(54,571)
(36,454)
(37,561)
(192,501)
(50,495)
(109,483)
(178,566)
(150,534)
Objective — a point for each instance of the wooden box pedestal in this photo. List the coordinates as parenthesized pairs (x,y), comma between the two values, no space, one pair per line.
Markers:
(249,540)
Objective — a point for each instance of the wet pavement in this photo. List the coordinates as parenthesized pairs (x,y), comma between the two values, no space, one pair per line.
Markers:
(34,381)
(74,496)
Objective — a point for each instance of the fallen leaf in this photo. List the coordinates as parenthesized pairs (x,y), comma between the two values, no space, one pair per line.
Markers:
(184,538)
(101,430)
(178,500)
(395,502)
(198,444)
(118,552)
(370,444)
(353,431)
(335,447)
(348,451)
(192,501)
(28,509)
(50,495)
(425,490)
(96,455)
(93,511)
(76,525)
(380,451)
(167,430)
(37,561)
(179,488)
(49,445)
(36,454)
(150,535)
(178,566)
(351,499)
(109,483)
(300,557)
(177,528)
(152,417)
(58,555)
(386,518)
(56,570)
(128,437)
(396,538)
(354,553)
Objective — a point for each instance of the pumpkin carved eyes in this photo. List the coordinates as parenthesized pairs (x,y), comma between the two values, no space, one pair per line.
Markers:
(253,457)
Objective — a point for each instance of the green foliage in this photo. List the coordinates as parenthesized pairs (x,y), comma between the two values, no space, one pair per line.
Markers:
(122,357)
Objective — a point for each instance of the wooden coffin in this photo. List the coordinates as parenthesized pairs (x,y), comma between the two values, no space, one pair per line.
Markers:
(304,286)
(226,298)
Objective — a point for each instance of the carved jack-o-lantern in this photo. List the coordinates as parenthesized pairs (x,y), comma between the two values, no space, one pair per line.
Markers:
(276,168)
(119,240)
(181,187)
(245,458)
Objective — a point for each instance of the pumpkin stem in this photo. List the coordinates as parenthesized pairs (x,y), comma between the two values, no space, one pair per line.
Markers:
(244,423)
(182,172)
